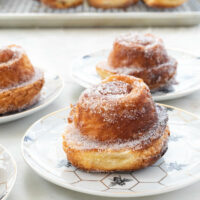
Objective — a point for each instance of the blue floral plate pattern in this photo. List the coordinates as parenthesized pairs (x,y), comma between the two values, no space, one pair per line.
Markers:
(179,167)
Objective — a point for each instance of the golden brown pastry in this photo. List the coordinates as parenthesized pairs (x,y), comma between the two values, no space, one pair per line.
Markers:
(20,82)
(116,126)
(106,4)
(164,3)
(62,4)
(143,56)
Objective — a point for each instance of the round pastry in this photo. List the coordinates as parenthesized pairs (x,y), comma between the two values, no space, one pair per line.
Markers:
(143,56)
(106,4)
(20,82)
(116,126)
(62,4)
(164,3)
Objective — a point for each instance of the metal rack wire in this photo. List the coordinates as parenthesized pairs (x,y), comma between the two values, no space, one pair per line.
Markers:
(33,6)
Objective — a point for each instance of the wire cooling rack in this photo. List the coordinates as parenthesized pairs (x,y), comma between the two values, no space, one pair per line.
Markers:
(33,13)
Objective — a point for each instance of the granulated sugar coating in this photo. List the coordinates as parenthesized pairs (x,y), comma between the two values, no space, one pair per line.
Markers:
(122,105)
(82,142)
(138,50)
(114,89)
(116,126)
(140,55)
(15,66)
(38,74)
(105,98)
(22,96)
(131,39)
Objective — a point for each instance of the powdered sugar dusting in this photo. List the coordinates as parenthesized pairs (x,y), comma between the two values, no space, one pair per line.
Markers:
(80,141)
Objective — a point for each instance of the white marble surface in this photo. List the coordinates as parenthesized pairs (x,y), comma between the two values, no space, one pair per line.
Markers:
(55,49)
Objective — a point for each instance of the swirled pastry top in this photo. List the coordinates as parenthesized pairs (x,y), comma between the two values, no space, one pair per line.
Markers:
(15,66)
(121,107)
(142,51)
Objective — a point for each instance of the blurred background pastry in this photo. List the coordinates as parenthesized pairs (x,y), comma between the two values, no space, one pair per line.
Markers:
(116,126)
(143,56)
(62,4)
(105,4)
(20,82)
(164,3)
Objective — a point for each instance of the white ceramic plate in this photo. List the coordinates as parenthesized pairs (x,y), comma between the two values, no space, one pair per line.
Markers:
(180,166)
(188,75)
(52,89)
(8,173)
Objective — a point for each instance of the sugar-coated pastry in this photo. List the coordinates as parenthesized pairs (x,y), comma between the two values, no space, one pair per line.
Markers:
(164,3)
(62,4)
(116,126)
(15,67)
(143,56)
(20,82)
(106,4)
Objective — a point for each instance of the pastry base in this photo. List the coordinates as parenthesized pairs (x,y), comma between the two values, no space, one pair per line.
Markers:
(121,159)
